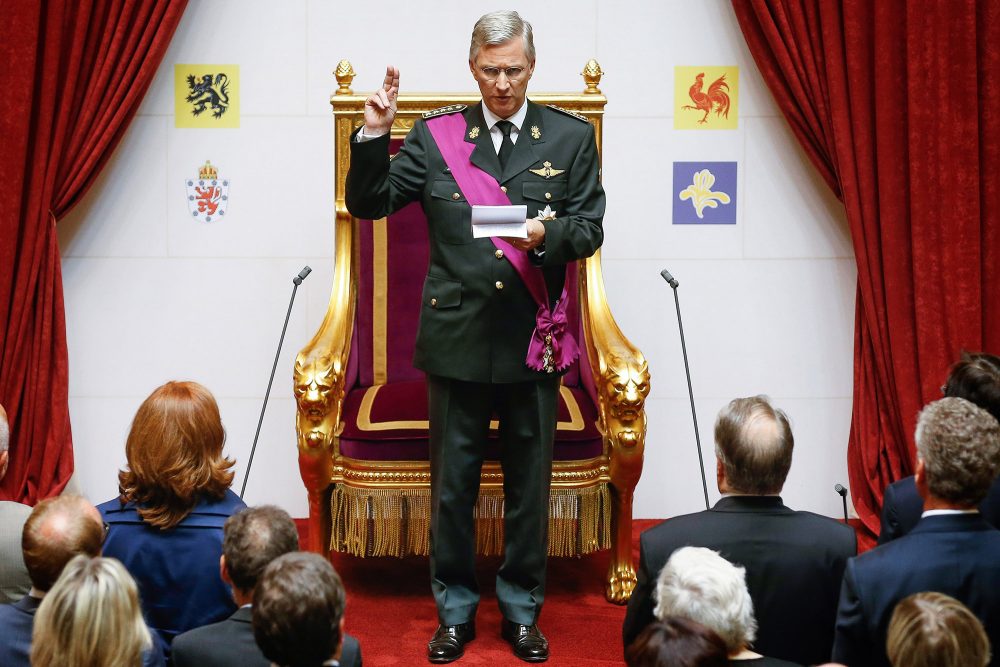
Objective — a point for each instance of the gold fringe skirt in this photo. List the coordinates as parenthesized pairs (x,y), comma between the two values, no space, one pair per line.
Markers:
(397,522)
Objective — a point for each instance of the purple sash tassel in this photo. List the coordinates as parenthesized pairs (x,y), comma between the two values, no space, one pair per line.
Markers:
(552,347)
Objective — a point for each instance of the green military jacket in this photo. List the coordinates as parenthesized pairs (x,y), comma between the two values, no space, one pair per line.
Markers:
(477,316)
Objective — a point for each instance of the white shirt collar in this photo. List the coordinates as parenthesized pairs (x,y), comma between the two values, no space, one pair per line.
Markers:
(947,512)
(517,119)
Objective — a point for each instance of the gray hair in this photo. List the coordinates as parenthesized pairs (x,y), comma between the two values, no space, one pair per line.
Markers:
(959,444)
(700,585)
(753,439)
(499,28)
(4,430)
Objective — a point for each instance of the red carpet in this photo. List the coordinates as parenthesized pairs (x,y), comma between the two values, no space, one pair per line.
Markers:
(391,612)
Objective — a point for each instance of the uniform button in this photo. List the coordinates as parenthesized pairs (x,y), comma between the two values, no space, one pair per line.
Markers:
(456,196)
(548,195)
(499,285)
(503,188)
(498,254)
(434,303)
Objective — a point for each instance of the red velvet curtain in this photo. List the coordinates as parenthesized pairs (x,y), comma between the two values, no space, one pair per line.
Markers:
(896,104)
(73,75)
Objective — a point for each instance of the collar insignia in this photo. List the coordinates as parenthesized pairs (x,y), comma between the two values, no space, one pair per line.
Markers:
(452,108)
(535,132)
(547,171)
(474,132)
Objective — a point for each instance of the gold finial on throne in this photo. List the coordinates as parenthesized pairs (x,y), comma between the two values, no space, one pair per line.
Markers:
(345,75)
(592,74)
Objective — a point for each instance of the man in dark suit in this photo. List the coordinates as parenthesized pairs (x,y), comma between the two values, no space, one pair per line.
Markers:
(976,378)
(251,540)
(793,560)
(57,530)
(480,312)
(952,550)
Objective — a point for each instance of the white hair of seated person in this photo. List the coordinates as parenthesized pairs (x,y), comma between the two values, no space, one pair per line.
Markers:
(702,586)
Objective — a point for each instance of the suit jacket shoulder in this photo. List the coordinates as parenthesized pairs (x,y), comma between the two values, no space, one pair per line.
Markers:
(350,654)
(17,621)
(14,580)
(958,555)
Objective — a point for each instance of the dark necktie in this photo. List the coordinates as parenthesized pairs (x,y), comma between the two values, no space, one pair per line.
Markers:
(507,146)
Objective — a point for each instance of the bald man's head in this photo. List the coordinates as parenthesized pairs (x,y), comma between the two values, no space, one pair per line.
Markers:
(753,443)
(57,530)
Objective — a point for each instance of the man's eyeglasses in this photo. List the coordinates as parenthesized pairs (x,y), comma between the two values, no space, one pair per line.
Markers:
(513,74)
(107,529)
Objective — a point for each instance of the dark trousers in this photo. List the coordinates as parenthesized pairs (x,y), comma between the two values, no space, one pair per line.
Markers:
(459,424)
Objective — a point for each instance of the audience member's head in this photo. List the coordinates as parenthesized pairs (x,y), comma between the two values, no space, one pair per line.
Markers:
(958,451)
(936,630)
(57,530)
(174,453)
(298,611)
(753,445)
(700,585)
(90,617)
(4,442)
(976,378)
(677,642)
(251,540)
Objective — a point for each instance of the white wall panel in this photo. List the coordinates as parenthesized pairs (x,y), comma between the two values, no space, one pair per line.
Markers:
(638,177)
(265,38)
(280,172)
(790,211)
(431,46)
(122,214)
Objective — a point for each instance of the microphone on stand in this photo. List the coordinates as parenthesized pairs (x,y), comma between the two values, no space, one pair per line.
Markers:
(297,280)
(687,371)
(839,488)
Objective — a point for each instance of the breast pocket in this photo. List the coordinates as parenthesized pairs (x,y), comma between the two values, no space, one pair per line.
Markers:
(545,193)
(448,213)
(441,293)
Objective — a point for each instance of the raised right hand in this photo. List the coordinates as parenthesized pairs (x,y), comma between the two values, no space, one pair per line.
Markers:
(380,107)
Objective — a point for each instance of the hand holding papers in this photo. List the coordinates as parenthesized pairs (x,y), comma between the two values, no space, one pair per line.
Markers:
(507,221)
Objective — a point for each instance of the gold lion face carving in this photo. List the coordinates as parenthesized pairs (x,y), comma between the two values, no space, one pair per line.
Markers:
(627,386)
(314,383)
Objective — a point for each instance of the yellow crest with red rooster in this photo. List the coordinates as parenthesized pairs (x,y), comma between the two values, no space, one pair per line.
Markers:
(706,98)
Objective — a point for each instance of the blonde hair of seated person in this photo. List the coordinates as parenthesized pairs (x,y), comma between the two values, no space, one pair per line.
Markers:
(936,630)
(90,618)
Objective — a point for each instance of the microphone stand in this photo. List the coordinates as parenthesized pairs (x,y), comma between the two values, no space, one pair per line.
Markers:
(842,492)
(687,371)
(297,280)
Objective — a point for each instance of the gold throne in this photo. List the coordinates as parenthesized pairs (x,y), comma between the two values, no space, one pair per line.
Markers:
(362,415)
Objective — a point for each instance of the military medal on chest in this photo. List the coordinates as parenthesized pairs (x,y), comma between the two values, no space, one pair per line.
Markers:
(547,171)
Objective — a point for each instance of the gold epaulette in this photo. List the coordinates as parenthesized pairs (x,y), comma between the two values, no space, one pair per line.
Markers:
(569,113)
(443,111)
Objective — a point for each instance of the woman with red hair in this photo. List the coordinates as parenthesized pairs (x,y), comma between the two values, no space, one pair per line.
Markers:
(174,497)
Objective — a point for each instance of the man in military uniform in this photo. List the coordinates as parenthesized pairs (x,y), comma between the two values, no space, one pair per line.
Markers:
(482,312)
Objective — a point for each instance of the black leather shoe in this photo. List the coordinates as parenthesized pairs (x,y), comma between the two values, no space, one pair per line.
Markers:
(528,642)
(448,643)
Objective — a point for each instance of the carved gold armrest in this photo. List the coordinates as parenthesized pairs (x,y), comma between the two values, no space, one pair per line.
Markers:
(621,376)
(320,371)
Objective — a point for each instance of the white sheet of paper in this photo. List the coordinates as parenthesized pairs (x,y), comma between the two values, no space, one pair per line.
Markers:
(500,221)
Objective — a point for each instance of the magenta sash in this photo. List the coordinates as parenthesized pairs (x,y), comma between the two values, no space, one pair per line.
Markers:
(552,347)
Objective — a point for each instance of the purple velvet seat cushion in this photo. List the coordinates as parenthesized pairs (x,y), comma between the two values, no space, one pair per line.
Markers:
(389,423)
